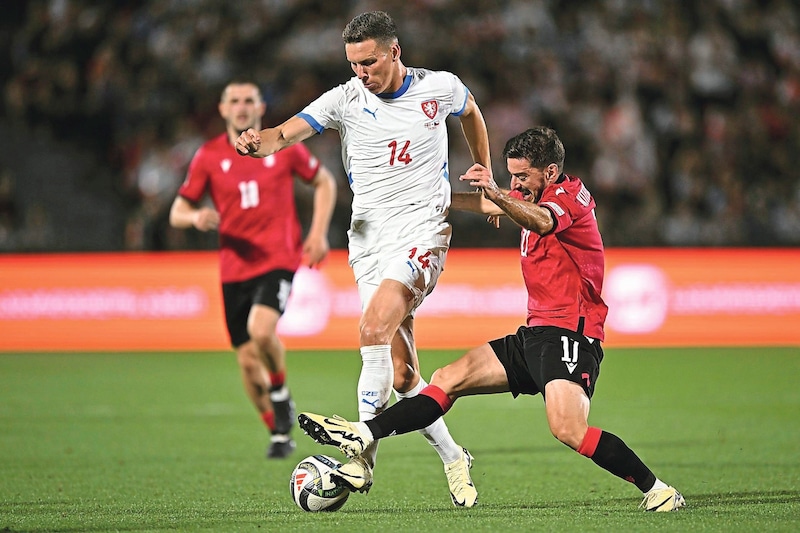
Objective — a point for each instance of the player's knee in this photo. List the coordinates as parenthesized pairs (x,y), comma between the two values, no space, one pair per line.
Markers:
(447,379)
(264,338)
(567,434)
(374,334)
(405,376)
(248,360)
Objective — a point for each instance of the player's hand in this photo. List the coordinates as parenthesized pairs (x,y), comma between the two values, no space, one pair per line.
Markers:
(206,219)
(249,142)
(494,220)
(479,176)
(315,250)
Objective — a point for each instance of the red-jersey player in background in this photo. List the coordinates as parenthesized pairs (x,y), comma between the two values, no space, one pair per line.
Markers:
(261,245)
(558,352)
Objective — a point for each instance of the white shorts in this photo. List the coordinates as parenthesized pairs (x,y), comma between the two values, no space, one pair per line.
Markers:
(409,246)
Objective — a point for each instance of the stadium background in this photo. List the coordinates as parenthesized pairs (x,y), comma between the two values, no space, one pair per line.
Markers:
(679,115)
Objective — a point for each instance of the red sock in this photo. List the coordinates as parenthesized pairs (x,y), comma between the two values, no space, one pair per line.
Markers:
(411,413)
(590,440)
(439,395)
(277,379)
(269,419)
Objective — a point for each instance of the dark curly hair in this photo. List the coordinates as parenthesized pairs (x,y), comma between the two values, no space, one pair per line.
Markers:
(540,146)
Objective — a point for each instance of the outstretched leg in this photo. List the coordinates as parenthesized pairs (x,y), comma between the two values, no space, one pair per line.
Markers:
(476,372)
(567,409)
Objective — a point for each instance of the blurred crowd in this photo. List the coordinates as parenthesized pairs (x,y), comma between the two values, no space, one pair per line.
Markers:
(681,116)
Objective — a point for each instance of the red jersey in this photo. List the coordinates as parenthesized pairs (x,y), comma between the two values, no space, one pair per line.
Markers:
(259,229)
(563,270)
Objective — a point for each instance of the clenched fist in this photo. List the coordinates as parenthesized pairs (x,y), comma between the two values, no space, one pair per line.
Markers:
(249,142)
(205,219)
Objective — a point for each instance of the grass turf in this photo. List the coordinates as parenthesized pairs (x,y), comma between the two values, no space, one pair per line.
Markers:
(168,442)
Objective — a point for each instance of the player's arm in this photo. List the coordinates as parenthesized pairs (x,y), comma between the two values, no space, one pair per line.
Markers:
(526,214)
(474,202)
(316,246)
(270,140)
(474,129)
(184,214)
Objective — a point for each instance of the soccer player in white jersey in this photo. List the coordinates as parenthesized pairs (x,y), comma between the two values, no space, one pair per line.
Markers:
(391,120)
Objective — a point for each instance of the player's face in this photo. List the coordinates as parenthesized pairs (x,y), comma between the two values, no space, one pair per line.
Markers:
(241,107)
(529,181)
(375,66)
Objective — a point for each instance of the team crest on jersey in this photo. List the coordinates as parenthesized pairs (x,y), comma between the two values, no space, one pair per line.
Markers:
(225,165)
(430,108)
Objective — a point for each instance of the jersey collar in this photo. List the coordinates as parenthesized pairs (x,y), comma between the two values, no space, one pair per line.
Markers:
(399,92)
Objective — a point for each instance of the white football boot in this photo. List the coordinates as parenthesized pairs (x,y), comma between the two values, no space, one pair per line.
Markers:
(335,431)
(462,490)
(663,500)
(356,475)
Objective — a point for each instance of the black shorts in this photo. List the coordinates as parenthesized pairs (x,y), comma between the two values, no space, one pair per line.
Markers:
(271,289)
(534,356)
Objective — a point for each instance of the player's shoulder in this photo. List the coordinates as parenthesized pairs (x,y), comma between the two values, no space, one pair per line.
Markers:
(572,187)
(566,182)
(439,84)
(341,95)
(572,182)
(214,146)
(293,155)
(349,89)
(211,152)
(420,74)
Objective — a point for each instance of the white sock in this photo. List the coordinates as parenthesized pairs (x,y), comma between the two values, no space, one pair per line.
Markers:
(363,428)
(375,380)
(280,395)
(437,433)
(658,485)
(374,388)
(371,451)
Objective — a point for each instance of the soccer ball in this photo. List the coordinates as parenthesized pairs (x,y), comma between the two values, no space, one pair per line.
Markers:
(311,486)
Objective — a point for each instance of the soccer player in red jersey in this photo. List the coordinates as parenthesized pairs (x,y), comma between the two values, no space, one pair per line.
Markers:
(261,245)
(558,352)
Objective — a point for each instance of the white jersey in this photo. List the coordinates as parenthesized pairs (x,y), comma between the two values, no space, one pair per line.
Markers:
(394,146)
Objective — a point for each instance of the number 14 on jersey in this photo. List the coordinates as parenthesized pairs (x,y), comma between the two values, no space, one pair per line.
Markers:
(401,156)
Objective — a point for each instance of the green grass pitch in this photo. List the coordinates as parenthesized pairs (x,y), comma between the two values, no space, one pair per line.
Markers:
(168,442)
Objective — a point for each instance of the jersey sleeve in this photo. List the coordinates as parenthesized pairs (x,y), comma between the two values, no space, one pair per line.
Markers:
(194,185)
(460,94)
(304,164)
(568,203)
(326,111)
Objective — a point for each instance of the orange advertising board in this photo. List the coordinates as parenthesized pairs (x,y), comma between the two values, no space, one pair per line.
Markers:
(172,301)
(703,297)
(129,301)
